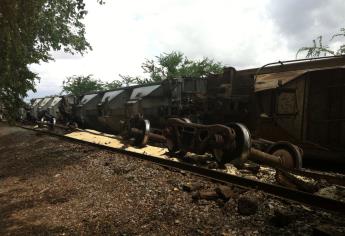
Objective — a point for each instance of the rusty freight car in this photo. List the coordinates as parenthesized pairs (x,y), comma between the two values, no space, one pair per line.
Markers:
(299,101)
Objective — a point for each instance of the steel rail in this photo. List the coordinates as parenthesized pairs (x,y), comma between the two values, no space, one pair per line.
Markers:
(338,179)
(335,178)
(272,189)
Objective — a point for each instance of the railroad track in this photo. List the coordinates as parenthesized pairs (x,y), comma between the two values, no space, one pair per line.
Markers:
(226,178)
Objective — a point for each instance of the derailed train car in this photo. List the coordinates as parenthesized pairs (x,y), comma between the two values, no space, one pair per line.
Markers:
(308,108)
(49,109)
(297,101)
(110,110)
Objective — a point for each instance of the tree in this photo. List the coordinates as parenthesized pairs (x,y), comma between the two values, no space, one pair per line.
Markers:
(341,49)
(29,30)
(167,66)
(112,85)
(78,85)
(319,49)
(174,65)
(127,80)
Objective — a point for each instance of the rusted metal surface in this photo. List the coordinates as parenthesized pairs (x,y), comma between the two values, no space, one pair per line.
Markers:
(307,109)
(295,101)
(332,178)
(181,136)
(322,155)
(326,110)
(152,136)
(139,130)
(274,80)
(264,158)
(292,65)
(185,137)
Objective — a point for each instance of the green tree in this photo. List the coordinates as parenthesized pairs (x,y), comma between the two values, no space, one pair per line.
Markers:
(166,66)
(29,31)
(174,65)
(78,85)
(320,49)
(112,85)
(127,80)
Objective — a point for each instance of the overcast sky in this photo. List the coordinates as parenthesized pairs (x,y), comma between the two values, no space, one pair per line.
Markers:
(238,33)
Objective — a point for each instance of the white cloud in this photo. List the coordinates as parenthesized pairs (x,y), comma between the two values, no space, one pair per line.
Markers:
(123,33)
(301,21)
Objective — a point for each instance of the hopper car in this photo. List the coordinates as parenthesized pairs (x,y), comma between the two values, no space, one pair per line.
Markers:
(300,102)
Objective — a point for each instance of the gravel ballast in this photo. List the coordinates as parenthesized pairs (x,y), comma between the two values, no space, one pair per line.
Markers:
(50,186)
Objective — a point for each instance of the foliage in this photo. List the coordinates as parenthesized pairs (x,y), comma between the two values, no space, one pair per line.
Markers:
(341,49)
(316,50)
(77,85)
(127,80)
(319,49)
(174,65)
(167,66)
(29,30)
(112,85)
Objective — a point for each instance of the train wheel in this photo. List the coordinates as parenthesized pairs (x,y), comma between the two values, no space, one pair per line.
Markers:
(141,133)
(52,123)
(242,147)
(171,141)
(171,145)
(41,123)
(290,155)
(220,155)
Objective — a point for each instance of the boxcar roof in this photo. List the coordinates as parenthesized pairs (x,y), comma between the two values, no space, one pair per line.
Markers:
(271,81)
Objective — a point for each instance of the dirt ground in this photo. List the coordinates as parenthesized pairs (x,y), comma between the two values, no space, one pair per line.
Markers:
(52,187)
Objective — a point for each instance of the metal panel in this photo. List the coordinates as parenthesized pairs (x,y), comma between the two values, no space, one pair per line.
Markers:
(295,65)
(44,102)
(54,107)
(36,102)
(272,81)
(143,91)
(87,98)
(35,106)
(326,111)
(55,101)
(111,95)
